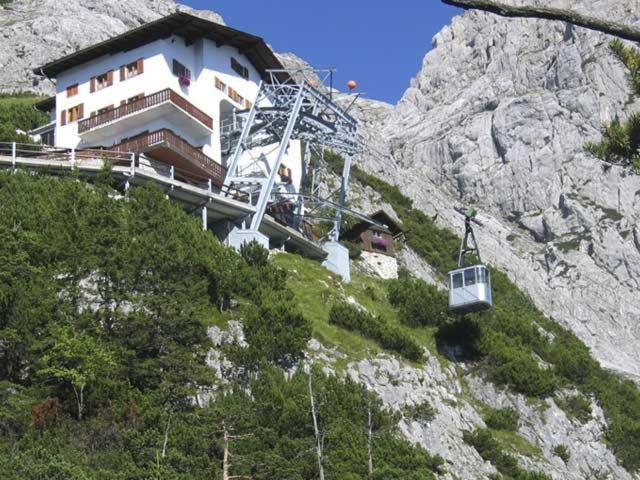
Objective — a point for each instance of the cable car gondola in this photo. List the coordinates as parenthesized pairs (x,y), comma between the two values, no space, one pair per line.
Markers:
(469,286)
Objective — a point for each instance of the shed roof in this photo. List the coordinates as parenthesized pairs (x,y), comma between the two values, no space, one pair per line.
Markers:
(188,26)
(381,217)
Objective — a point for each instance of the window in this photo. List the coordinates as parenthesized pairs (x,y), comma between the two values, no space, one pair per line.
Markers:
(135,98)
(483,275)
(103,110)
(133,69)
(72,90)
(376,233)
(102,81)
(74,114)
(456,280)
(179,70)
(220,85)
(239,68)
(470,276)
(235,96)
(248,105)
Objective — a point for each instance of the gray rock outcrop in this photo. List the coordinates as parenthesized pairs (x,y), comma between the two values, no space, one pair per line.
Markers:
(498,118)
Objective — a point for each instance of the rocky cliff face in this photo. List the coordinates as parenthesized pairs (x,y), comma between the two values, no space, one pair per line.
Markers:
(34,32)
(498,118)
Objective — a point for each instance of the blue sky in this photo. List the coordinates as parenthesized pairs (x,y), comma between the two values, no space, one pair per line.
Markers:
(378,43)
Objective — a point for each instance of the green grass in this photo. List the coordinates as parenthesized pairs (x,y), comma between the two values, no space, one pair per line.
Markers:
(316,290)
(514,443)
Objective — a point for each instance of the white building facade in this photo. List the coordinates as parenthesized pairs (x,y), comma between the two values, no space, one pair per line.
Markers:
(169,91)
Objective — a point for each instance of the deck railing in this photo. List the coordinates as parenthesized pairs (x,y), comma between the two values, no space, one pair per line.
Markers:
(144,141)
(154,99)
(45,152)
(71,157)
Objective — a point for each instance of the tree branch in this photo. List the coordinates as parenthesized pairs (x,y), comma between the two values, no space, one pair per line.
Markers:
(626,32)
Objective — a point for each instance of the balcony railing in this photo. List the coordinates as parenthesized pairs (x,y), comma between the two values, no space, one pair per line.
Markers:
(170,140)
(143,103)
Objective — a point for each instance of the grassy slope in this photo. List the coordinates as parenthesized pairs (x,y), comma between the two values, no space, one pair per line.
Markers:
(316,290)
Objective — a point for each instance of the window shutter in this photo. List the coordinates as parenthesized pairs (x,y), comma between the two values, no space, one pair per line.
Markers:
(109,78)
(93,85)
(140,66)
(80,111)
(123,102)
(122,73)
(63,117)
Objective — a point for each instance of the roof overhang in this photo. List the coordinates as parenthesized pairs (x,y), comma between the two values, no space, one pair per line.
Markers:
(185,25)
(47,105)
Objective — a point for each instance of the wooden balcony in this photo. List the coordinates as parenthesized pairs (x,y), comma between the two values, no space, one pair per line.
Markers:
(163,97)
(167,147)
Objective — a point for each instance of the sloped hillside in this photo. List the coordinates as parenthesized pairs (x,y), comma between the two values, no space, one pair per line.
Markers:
(119,357)
(105,308)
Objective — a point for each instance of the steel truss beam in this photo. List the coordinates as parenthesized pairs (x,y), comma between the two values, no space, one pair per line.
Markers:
(284,111)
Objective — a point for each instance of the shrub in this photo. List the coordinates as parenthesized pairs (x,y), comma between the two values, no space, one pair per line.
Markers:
(563,452)
(390,337)
(421,412)
(576,406)
(355,251)
(514,366)
(254,254)
(16,112)
(419,303)
(489,449)
(572,358)
(275,330)
(503,419)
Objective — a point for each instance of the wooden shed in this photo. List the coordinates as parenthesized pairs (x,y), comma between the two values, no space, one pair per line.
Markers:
(375,238)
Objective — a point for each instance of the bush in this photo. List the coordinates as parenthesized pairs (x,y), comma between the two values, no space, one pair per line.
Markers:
(563,452)
(419,303)
(576,406)
(489,449)
(355,251)
(275,330)
(514,366)
(16,112)
(254,254)
(390,337)
(503,419)
(421,412)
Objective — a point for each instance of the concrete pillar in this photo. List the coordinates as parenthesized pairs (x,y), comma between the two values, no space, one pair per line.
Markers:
(337,260)
(238,237)
(204,218)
